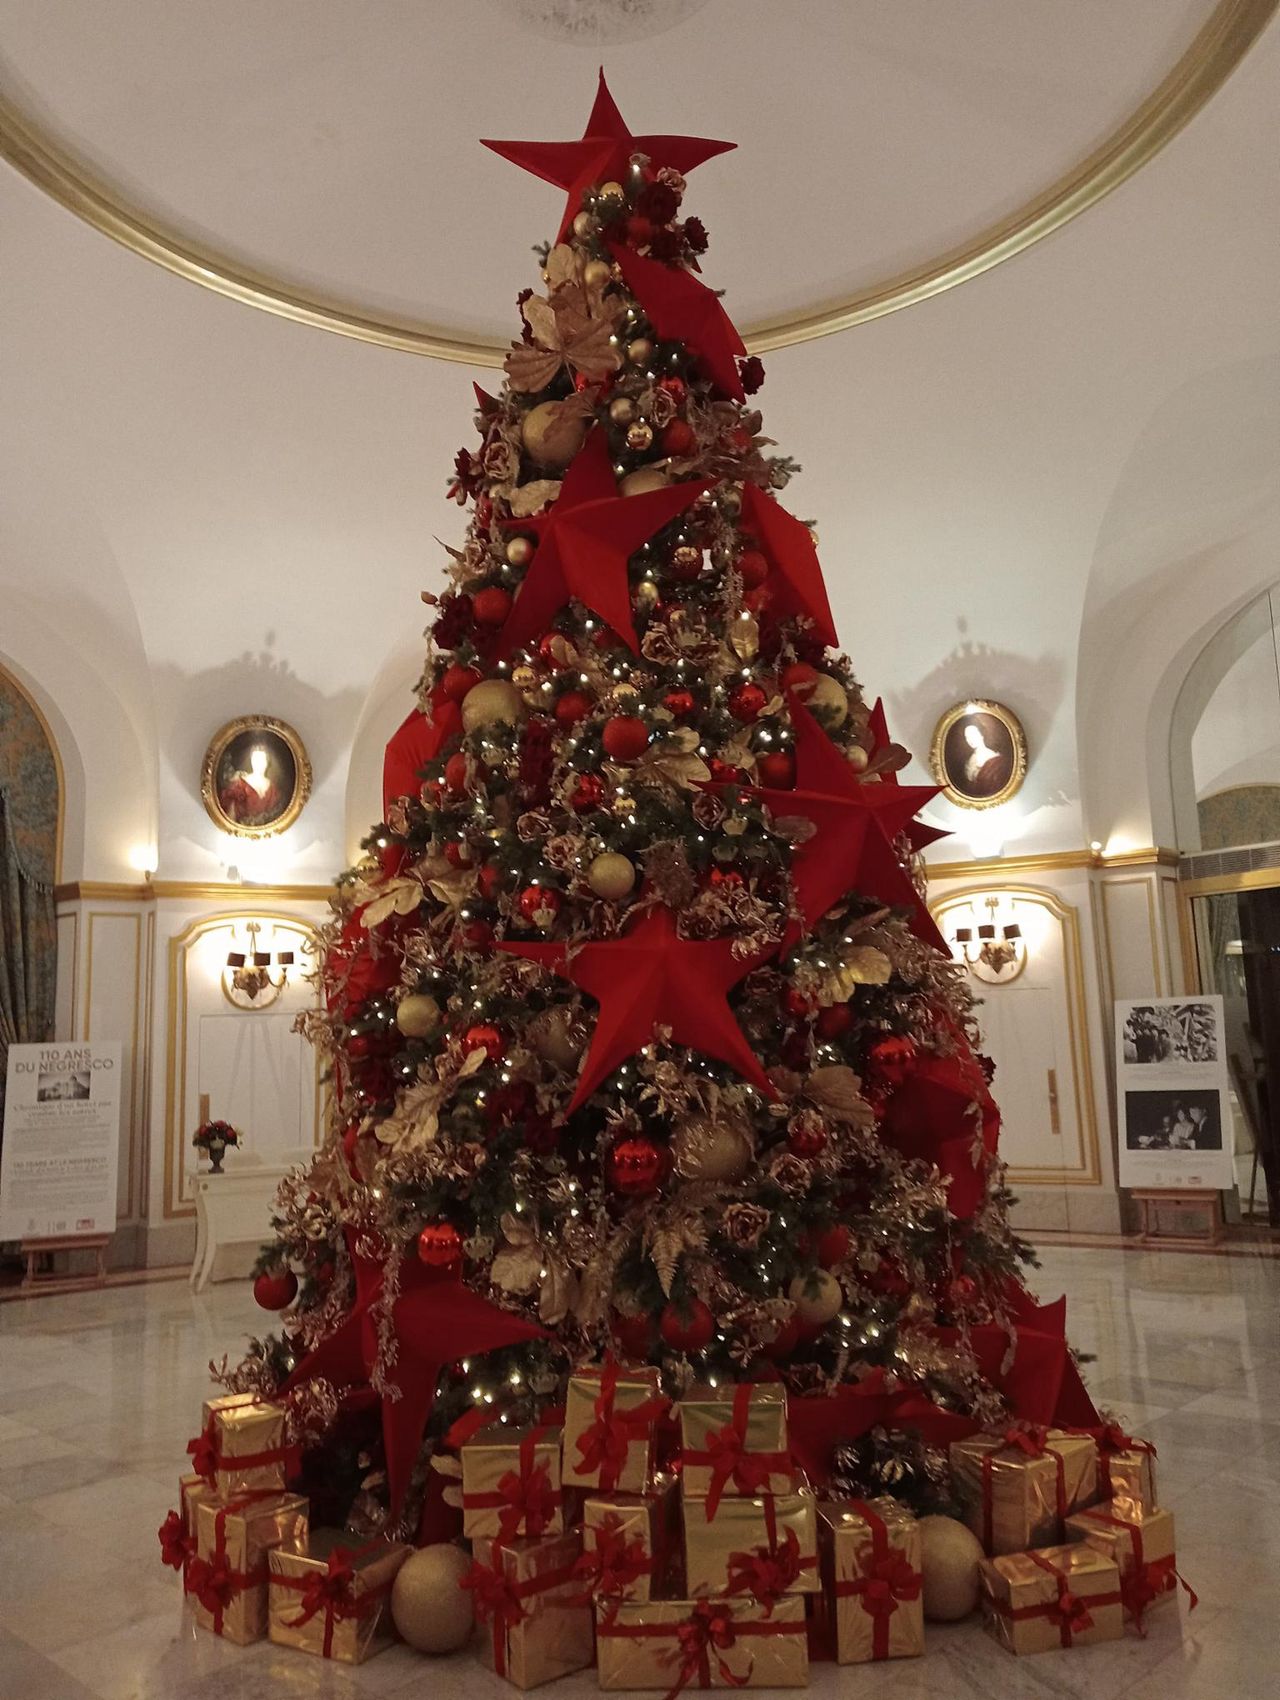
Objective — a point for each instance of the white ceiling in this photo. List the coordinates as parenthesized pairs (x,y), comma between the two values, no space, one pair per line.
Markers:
(205,509)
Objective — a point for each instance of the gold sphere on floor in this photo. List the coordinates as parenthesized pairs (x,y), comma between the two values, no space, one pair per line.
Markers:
(950,1553)
(430,1608)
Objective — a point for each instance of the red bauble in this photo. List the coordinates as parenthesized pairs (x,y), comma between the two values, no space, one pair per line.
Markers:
(795,1050)
(835,1019)
(962,1291)
(539,904)
(746,701)
(798,676)
(439,1245)
(890,1279)
(359,1045)
(723,772)
(834,1245)
(796,1003)
(572,707)
(625,737)
(486,1038)
(678,438)
(784,1341)
(635,1336)
(457,852)
(634,1166)
(891,1059)
(680,703)
(587,793)
(719,878)
(753,567)
(273,1290)
(455,772)
(808,1138)
(556,652)
(457,681)
(489,881)
(777,769)
(687,1328)
(492,606)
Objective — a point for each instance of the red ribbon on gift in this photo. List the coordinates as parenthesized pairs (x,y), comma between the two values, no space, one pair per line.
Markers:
(1072,1614)
(213,1581)
(767,1572)
(604,1443)
(501,1602)
(1110,1438)
(332,1591)
(726,1453)
(1144,1584)
(177,1547)
(711,1626)
(524,1498)
(612,1563)
(207,1458)
(1032,1442)
(886,1579)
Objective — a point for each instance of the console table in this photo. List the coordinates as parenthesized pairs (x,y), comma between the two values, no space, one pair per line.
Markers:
(233,1217)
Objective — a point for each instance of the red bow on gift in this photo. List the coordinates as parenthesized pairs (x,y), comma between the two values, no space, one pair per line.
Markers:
(1033,1440)
(494,1596)
(213,1583)
(602,1445)
(328,1590)
(766,1573)
(613,1563)
(885,1582)
(710,1626)
(1070,1611)
(204,1453)
(176,1545)
(529,1501)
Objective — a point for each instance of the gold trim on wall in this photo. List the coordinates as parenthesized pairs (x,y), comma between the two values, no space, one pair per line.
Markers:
(148,891)
(1220,45)
(1052,861)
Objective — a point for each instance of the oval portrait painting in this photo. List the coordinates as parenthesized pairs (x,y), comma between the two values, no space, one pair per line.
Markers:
(979,754)
(256,776)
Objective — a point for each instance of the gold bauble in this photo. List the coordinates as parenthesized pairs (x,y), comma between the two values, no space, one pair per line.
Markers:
(520,551)
(817,1297)
(431,1609)
(558,1036)
(418,1015)
(950,1554)
(491,702)
(828,699)
(584,225)
(622,410)
(611,876)
(612,191)
(712,1148)
(640,351)
(524,677)
(643,479)
(857,757)
(596,273)
(553,436)
(640,436)
(623,806)
(686,558)
(646,594)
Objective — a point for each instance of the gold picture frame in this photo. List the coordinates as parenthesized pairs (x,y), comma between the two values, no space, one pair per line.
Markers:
(256,777)
(979,754)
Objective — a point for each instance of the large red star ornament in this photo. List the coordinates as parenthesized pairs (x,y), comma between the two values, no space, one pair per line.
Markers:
(434,1321)
(584,543)
(857,823)
(417,741)
(796,584)
(603,154)
(681,309)
(919,834)
(651,977)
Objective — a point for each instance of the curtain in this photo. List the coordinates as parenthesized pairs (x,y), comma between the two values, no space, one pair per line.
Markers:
(28,949)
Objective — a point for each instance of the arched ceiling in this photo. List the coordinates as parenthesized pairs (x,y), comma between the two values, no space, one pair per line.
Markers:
(322,157)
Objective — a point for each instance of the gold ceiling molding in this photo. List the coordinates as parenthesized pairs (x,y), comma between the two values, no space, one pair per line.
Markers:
(1221,44)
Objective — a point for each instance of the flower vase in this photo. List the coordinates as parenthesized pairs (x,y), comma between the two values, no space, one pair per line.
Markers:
(216,1149)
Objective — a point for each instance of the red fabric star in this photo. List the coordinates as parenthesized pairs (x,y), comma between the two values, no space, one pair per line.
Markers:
(584,543)
(648,977)
(681,309)
(918,833)
(603,154)
(416,741)
(857,823)
(435,1322)
(797,585)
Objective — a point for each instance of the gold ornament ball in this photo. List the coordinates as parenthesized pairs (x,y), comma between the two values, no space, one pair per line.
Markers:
(816,1298)
(686,558)
(622,410)
(553,436)
(596,273)
(558,1037)
(640,436)
(524,677)
(950,1554)
(857,757)
(519,551)
(829,700)
(640,351)
(491,702)
(430,1608)
(584,225)
(611,876)
(707,1148)
(612,191)
(418,1015)
(642,480)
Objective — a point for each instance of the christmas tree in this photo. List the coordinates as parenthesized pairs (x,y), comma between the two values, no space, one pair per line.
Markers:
(641,1037)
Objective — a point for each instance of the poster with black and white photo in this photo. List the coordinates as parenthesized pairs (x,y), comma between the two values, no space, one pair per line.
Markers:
(1171,1087)
(61,1140)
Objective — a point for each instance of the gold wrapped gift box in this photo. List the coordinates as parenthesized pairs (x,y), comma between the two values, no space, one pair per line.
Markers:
(1140,1543)
(609,1420)
(630,1541)
(1062,1596)
(870,1560)
(227,1578)
(1128,1474)
(511,1483)
(734,1442)
(763,1546)
(1017,1488)
(241,1447)
(329,1593)
(703,1644)
(535,1614)
(192,1490)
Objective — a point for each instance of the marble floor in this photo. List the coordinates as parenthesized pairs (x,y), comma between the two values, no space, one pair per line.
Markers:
(99,1392)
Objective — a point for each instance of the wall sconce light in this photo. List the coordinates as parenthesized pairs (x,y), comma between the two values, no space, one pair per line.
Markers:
(991,952)
(253,978)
